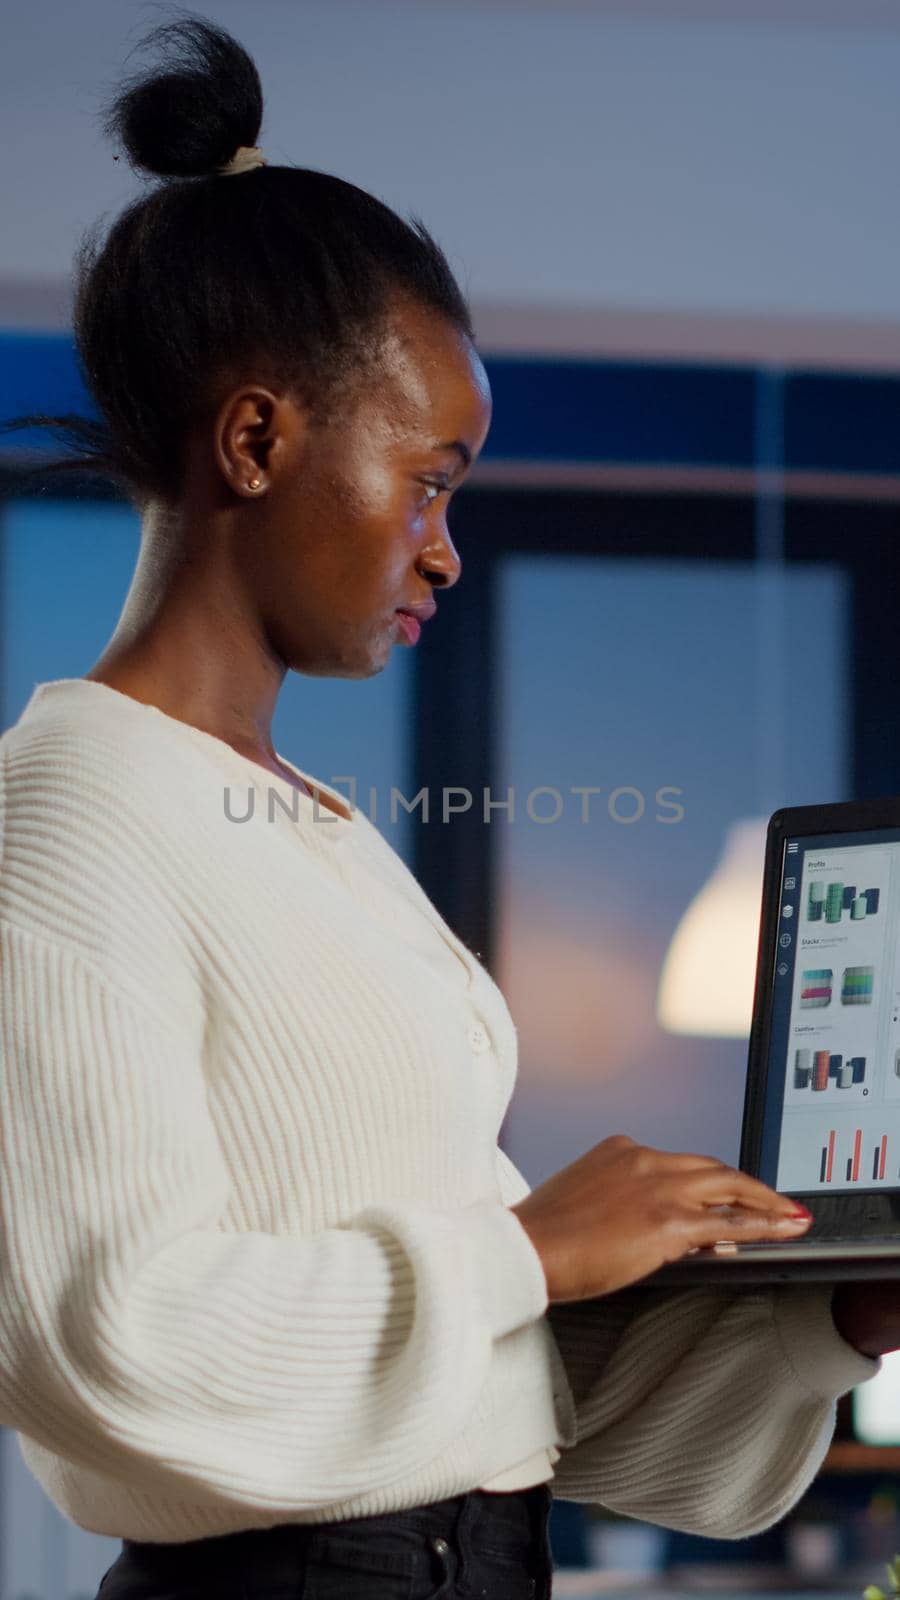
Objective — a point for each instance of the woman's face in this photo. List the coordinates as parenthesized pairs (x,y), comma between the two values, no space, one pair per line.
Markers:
(353,524)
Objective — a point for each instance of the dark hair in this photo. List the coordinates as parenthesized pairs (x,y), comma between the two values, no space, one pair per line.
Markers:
(285,269)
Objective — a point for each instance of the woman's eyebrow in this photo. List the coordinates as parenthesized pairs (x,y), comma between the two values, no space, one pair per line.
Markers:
(461,449)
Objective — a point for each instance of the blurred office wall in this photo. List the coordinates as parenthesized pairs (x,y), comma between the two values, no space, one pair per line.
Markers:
(699,158)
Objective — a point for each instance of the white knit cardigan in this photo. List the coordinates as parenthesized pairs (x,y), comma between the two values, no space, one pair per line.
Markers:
(257,1262)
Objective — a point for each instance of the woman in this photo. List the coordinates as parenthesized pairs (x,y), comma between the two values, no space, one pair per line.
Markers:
(277,1311)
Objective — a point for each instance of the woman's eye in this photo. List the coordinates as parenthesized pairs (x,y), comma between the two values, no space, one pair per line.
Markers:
(436,488)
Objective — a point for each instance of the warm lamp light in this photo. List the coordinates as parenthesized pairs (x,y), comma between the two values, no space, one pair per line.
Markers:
(707,981)
(876,1404)
(706,984)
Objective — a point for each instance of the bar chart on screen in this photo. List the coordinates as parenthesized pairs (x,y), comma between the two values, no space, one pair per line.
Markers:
(847,1158)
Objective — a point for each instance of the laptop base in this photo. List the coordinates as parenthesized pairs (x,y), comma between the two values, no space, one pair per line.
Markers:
(803,1262)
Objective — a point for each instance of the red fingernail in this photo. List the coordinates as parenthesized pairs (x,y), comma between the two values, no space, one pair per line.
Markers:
(801,1211)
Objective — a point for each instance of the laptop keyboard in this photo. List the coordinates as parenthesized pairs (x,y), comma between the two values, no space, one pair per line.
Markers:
(750,1246)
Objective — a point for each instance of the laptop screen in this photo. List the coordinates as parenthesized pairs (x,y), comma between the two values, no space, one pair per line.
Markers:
(832,1111)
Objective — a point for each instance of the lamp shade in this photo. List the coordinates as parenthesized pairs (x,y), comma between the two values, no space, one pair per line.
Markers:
(876,1404)
(707,978)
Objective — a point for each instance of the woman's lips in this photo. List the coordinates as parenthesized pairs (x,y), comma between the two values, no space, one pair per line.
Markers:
(409,627)
(412,617)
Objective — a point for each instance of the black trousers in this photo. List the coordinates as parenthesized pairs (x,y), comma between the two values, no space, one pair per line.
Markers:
(489,1546)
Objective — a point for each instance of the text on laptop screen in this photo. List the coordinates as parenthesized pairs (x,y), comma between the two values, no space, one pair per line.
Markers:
(832,1119)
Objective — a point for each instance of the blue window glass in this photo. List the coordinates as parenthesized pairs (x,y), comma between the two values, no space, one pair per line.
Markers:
(637,678)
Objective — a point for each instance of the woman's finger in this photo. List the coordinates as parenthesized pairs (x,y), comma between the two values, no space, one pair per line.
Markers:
(742,1224)
(730,1187)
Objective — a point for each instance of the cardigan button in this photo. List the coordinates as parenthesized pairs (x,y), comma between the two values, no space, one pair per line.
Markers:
(479,1039)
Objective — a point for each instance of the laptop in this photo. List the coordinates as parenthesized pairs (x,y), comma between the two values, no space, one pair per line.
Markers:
(822,1104)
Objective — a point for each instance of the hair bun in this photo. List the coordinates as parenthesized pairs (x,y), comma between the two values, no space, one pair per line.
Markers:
(187,115)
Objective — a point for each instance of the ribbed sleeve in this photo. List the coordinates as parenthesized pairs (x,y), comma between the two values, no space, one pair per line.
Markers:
(705,1410)
(701,1419)
(138,1339)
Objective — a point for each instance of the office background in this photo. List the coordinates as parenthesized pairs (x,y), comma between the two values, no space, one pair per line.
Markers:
(678,228)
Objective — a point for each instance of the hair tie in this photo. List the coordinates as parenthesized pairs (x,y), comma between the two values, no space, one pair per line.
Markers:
(245,158)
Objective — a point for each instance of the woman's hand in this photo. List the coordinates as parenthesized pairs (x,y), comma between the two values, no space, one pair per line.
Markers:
(867,1315)
(622,1210)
